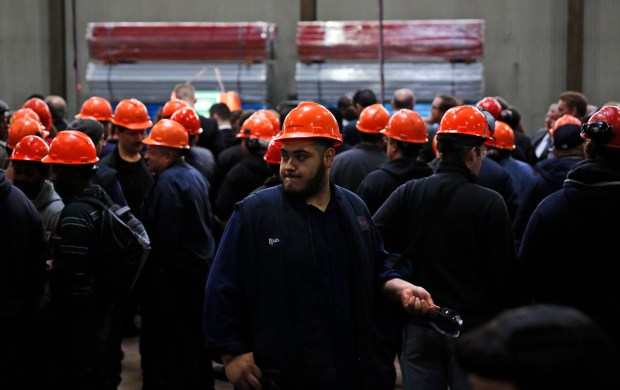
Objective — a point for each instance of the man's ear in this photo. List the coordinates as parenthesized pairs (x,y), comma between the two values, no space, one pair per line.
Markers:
(471,155)
(328,157)
(393,144)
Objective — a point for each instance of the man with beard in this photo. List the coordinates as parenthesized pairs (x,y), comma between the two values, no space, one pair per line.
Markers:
(296,295)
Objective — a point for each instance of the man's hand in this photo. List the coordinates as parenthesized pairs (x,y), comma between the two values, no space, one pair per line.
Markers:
(416,300)
(242,372)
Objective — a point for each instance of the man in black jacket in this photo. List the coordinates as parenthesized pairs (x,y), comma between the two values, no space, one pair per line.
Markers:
(296,291)
(22,267)
(81,308)
(570,235)
(457,236)
(405,134)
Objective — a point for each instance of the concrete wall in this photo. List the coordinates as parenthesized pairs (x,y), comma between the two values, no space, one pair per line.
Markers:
(525,44)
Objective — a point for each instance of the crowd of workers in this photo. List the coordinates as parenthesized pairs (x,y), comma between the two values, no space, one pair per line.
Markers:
(313,247)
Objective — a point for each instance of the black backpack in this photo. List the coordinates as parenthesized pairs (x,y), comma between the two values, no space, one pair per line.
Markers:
(123,247)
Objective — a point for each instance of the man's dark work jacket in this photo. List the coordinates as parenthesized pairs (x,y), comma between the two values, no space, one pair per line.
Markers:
(266,263)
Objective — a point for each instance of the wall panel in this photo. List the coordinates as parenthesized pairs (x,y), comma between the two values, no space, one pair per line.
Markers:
(525,48)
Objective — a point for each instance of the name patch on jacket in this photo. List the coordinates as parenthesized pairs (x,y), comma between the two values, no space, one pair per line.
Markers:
(363,223)
(274,241)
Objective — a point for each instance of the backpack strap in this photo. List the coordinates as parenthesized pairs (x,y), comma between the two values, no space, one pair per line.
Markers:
(120,211)
(93,200)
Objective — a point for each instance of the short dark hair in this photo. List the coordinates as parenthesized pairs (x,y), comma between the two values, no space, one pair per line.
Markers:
(601,152)
(576,100)
(364,97)
(344,101)
(221,109)
(510,116)
(408,149)
(370,137)
(83,171)
(91,127)
(456,146)
(322,144)
(337,115)
(541,347)
(44,169)
(447,102)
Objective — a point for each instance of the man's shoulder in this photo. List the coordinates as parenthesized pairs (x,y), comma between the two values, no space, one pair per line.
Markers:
(351,126)
(109,159)
(207,124)
(343,194)
(79,209)
(264,195)
(346,155)
(263,202)
(538,135)
(16,201)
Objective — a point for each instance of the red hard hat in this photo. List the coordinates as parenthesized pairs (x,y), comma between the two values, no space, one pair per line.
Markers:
(503,137)
(603,127)
(272,116)
(310,120)
(407,126)
(71,147)
(272,155)
(466,120)
(188,117)
(132,114)
(21,128)
(564,120)
(491,105)
(96,107)
(42,110)
(168,133)
(258,126)
(24,112)
(373,119)
(30,148)
(172,106)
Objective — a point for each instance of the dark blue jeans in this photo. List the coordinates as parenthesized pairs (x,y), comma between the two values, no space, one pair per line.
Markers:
(427,362)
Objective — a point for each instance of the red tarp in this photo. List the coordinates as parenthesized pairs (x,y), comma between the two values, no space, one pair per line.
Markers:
(460,39)
(122,42)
